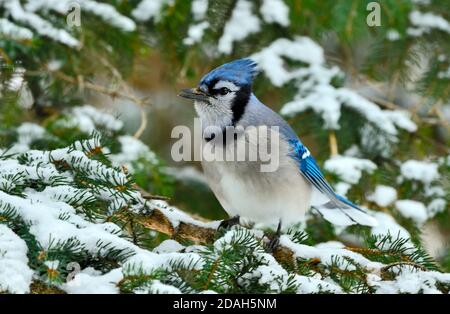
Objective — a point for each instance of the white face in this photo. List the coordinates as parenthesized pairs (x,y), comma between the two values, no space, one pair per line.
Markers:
(225,93)
(218,111)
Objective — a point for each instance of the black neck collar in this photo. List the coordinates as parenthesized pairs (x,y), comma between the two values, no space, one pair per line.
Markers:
(240,103)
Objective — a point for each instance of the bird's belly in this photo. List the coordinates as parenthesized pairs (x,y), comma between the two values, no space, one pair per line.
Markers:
(261,197)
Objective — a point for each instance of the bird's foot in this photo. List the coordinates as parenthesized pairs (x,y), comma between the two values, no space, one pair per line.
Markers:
(228,223)
(275,240)
(273,243)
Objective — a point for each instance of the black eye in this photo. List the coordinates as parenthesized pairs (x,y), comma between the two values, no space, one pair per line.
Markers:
(224,91)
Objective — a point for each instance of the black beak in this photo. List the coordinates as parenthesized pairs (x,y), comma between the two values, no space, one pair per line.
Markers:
(194,94)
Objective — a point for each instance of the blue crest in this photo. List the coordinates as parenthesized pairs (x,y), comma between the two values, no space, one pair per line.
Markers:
(240,72)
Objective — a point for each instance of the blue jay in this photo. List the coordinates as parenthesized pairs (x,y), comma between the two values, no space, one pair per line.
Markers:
(224,99)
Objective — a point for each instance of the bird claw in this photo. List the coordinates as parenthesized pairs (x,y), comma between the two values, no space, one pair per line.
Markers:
(273,243)
(228,223)
(275,240)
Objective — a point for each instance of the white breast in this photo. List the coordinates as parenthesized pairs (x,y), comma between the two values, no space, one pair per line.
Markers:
(261,197)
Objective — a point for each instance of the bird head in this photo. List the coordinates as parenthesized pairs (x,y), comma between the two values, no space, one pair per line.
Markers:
(223,93)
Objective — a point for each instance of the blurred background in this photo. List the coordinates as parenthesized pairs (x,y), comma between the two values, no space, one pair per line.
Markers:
(364,83)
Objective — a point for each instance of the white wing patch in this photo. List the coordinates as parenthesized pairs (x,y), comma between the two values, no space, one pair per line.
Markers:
(306,154)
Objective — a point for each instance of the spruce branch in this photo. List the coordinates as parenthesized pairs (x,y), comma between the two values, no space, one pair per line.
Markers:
(157,221)
(333,143)
(122,92)
(415,265)
(39,287)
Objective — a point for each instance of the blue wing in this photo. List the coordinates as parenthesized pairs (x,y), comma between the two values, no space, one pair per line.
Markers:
(311,171)
(309,168)
(337,210)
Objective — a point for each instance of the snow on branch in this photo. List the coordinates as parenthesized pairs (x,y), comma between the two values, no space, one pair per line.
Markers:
(69,201)
(349,168)
(149,9)
(426,22)
(105,11)
(275,11)
(40,25)
(316,91)
(15,275)
(29,14)
(241,24)
(12,30)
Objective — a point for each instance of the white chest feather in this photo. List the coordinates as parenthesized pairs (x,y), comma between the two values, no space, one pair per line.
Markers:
(244,189)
